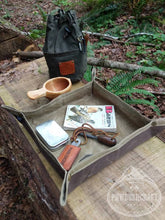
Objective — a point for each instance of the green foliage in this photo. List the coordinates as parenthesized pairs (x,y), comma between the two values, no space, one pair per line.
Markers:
(88,74)
(90,53)
(95,4)
(7,14)
(158,39)
(148,56)
(144,102)
(36,33)
(160,55)
(137,6)
(98,45)
(140,50)
(146,62)
(102,17)
(42,13)
(90,49)
(125,86)
(132,91)
(62,3)
(119,81)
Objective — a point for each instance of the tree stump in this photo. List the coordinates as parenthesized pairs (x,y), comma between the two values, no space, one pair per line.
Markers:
(41,191)
(11,40)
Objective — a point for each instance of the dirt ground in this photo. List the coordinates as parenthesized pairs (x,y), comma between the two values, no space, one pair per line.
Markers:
(25,15)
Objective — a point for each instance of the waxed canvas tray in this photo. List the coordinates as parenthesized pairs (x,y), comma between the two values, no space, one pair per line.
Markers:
(133,129)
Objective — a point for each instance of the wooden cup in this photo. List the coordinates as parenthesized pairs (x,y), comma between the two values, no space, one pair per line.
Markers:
(52,88)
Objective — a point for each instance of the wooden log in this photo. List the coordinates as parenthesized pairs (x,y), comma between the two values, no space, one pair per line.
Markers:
(29,54)
(41,191)
(11,40)
(125,66)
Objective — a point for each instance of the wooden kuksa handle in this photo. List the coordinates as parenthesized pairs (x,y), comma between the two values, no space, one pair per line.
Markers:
(35,94)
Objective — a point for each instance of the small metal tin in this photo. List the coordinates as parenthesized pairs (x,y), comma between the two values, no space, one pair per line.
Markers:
(52,134)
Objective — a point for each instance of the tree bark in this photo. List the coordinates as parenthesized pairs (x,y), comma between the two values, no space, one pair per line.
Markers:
(30,54)
(125,66)
(41,191)
(107,36)
(11,40)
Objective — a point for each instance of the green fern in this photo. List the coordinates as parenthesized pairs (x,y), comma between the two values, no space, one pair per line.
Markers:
(132,91)
(120,80)
(124,85)
(42,12)
(142,82)
(144,102)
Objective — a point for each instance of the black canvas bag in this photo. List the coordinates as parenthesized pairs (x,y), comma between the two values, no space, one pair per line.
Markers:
(65,47)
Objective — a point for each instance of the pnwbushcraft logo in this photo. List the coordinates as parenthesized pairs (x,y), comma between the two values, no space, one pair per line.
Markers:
(134,194)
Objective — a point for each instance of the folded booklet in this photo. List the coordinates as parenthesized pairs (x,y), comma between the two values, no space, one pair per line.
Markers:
(99,116)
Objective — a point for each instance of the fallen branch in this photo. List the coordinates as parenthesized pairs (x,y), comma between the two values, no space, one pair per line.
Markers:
(116,39)
(29,54)
(157,92)
(104,63)
(101,35)
(134,35)
(125,66)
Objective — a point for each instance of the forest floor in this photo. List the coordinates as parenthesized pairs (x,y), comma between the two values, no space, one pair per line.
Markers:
(26,16)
